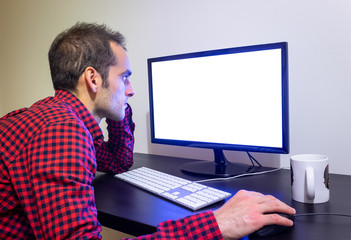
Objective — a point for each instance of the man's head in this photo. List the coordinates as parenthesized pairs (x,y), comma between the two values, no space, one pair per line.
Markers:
(90,61)
(77,48)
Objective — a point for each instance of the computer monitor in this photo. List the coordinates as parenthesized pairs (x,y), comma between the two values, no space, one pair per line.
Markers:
(227,99)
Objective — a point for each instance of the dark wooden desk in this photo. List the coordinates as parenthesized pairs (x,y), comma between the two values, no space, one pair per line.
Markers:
(134,211)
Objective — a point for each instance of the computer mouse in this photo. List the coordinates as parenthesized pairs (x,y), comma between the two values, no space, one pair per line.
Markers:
(271,230)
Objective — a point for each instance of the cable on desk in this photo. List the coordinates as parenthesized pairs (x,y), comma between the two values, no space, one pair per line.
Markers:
(239,176)
(320,214)
(253,160)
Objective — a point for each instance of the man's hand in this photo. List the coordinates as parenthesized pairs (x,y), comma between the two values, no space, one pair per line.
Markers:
(245,212)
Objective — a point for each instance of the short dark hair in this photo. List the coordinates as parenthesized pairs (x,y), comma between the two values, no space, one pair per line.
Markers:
(79,47)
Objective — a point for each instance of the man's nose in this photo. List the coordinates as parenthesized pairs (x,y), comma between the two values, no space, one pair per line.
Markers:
(130,90)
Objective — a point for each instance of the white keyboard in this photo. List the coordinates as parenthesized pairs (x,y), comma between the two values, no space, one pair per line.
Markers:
(179,190)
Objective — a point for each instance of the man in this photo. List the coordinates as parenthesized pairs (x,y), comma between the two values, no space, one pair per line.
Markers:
(50,152)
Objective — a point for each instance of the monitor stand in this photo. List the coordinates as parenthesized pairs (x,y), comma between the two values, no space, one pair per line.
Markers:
(220,167)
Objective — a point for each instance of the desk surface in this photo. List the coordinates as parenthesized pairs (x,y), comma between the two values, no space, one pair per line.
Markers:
(134,211)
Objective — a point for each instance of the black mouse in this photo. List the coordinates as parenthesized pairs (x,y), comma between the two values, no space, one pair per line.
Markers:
(271,230)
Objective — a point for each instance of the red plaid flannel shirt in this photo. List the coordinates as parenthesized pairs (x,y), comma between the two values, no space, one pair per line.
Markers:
(49,154)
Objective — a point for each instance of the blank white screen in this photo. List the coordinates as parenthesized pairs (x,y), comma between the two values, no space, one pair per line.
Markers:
(229,99)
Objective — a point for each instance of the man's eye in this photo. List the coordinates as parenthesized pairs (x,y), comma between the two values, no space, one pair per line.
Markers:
(125,76)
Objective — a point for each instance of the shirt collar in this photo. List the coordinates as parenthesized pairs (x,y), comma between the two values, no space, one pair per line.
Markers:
(83,114)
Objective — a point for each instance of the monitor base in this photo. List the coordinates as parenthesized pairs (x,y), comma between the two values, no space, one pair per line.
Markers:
(210,169)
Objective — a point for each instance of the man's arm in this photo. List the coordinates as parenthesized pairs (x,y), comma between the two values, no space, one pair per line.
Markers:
(240,216)
(62,201)
(116,155)
(198,226)
(62,171)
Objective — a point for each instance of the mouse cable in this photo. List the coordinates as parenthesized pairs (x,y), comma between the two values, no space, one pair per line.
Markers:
(238,176)
(321,214)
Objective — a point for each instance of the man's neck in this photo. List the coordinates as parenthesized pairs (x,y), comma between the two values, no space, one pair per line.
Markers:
(86,99)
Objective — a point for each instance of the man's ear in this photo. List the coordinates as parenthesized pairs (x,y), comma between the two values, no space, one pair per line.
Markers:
(92,79)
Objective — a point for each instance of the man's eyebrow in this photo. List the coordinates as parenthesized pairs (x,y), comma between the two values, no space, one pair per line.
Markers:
(127,72)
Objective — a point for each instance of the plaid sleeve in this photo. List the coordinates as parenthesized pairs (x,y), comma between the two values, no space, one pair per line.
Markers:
(116,155)
(198,226)
(55,188)
(13,113)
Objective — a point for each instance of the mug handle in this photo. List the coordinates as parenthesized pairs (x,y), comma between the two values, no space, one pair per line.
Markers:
(310,183)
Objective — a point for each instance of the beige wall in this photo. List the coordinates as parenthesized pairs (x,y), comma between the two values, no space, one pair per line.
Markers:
(318,32)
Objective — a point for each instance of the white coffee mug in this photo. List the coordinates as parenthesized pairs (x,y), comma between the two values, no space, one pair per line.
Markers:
(310,178)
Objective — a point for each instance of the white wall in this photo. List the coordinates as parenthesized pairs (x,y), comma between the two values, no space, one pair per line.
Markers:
(318,33)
